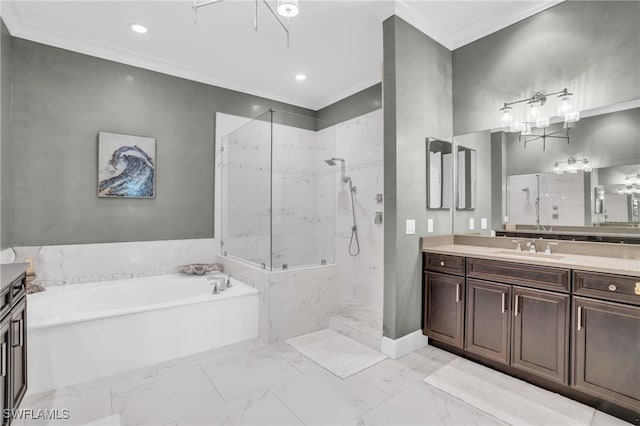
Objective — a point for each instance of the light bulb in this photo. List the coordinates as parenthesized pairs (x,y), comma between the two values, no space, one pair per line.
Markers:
(565,104)
(506,116)
(534,112)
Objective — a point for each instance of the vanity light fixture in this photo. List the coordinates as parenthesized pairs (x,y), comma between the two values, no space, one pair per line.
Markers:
(573,164)
(285,8)
(535,117)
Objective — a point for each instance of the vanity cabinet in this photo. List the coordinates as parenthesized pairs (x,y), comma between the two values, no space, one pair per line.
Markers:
(573,332)
(13,345)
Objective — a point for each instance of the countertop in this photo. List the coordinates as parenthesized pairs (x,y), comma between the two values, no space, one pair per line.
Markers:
(610,265)
(571,233)
(10,271)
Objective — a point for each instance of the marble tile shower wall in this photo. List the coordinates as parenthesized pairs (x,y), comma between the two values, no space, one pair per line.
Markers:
(359,141)
(81,263)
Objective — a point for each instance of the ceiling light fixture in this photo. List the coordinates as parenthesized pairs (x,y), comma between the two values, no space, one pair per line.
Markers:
(288,8)
(535,116)
(301,77)
(285,8)
(138,28)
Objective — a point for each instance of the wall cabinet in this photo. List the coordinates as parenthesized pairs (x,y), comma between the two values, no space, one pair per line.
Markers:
(523,319)
(13,347)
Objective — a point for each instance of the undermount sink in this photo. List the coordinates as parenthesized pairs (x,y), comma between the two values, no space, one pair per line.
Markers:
(528,254)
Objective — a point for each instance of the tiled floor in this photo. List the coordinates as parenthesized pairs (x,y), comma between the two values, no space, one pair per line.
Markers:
(275,385)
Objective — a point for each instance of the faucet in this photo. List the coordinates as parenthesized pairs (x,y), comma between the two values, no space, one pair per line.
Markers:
(519,246)
(532,246)
(548,249)
(218,282)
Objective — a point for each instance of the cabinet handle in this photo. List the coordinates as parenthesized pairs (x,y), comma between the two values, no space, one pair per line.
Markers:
(515,309)
(442,263)
(457,293)
(3,359)
(503,302)
(579,318)
(20,323)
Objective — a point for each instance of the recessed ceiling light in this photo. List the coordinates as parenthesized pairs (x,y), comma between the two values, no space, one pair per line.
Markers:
(139,28)
(301,77)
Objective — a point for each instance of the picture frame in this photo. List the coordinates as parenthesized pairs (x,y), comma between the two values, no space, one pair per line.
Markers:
(126,166)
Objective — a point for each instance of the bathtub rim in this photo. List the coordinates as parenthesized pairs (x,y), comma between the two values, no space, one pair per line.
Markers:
(102,314)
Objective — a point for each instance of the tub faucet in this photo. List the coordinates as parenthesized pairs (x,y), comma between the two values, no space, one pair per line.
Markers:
(218,283)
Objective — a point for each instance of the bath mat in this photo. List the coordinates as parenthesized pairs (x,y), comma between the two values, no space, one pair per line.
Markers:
(339,354)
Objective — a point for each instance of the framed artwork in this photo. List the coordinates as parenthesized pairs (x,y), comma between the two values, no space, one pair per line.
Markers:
(126,166)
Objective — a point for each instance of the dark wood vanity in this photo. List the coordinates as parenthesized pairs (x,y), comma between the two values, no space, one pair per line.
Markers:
(568,330)
(13,339)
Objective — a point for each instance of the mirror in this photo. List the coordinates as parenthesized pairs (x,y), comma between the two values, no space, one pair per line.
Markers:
(439,174)
(467,165)
(604,193)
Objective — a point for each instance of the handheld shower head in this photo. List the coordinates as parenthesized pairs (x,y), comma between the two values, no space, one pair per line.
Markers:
(333,161)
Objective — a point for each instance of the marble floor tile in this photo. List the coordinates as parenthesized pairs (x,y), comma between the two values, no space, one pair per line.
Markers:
(390,376)
(83,405)
(260,408)
(511,400)
(246,372)
(427,360)
(320,398)
(164,398)
(604,419)
(339,354)
(424,405)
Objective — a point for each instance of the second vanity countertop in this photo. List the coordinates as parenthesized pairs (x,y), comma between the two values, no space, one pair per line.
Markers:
(611,265)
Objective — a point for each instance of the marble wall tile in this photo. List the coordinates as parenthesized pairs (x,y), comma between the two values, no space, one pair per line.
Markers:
(81,263)
(7,256)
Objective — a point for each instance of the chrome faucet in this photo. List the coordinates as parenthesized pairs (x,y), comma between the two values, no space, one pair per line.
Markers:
(218,282)
(532,246)
(519,246)
(548,249)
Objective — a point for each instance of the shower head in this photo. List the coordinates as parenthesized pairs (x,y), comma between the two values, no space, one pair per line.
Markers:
(346,179)
(333,161)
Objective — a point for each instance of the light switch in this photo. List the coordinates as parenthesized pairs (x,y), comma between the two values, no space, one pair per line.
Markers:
(483,223)
(411,227)
(430,226)
(472,223)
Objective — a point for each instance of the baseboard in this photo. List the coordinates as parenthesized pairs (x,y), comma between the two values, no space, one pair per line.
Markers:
(398,348)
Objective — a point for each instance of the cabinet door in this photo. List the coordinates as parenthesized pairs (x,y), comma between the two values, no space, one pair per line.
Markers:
(444,308)
(487,332)
(18,352)
(541,333)
(606,343)
(4,371)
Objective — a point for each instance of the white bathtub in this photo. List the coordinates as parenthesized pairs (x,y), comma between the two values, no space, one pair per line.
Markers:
(78,333)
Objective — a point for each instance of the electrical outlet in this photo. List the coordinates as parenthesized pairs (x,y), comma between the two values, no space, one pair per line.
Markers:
(410,227)
(472,224)
(483,223)
(430,226)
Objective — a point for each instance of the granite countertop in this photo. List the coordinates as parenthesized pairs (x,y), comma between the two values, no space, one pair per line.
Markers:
(610,265)
(10,271)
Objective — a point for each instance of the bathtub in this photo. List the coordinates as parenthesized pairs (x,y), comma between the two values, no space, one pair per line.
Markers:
(79,333)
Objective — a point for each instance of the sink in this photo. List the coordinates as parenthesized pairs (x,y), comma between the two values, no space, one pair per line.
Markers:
(528,254)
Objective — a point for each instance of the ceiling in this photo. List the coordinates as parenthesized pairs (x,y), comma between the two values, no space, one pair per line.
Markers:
(336,44)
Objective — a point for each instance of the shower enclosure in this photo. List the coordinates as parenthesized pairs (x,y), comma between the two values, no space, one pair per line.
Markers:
(277,204)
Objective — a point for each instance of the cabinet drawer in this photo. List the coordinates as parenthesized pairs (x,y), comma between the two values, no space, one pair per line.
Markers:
(617,288)
(444,263)
(543,277)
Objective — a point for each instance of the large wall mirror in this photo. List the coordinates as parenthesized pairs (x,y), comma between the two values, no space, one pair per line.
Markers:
(592,180)
(439,174)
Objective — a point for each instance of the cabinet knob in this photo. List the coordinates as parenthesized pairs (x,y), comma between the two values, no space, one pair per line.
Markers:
(442,263)
(612,287)
(637,289)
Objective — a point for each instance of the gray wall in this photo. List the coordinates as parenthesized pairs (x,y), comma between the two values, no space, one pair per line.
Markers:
(61,100)
(606,140)
(5,98)
(590,47)
(363,102)
(417,105)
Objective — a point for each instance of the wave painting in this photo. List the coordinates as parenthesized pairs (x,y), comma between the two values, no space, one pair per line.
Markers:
(126,166)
